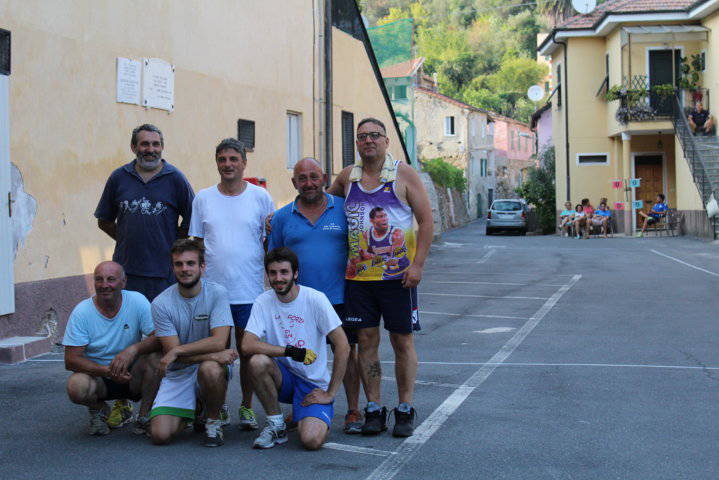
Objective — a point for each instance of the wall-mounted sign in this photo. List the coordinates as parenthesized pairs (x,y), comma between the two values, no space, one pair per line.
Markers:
(637,204)
(129,75)
(635,182)
(616,184)
(158,85)
(618,205)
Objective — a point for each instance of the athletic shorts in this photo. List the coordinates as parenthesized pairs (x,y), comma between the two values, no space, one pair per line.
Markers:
(294,389)
(367,301)
(350,332)
(119,391)
(177,395)
(597,220)
(241,314)
(652,219)
(150,287)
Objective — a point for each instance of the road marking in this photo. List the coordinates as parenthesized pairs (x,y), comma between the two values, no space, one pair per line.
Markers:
(486,256)
(506,273)
(354,449)
(410,446)
(600,365)
(685,263)
(424,382)
(475,315)
(498,283)
(495,246)
(495,330)
(509,297)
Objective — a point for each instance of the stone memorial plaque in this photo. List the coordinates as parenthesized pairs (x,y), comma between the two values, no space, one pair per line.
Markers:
(158,84)
(129,75)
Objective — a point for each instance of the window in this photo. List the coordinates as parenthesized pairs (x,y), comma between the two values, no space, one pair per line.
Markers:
(703,59)
(559,85)
(484,130)
(546,87)
(449,126)
(294,144)
(592,159)
(400,92)
(511,139)
(473,126)
(4,52)
(483,167)
(246,133)
(348,139)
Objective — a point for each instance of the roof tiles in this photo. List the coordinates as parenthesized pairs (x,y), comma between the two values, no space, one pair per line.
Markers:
(590,20)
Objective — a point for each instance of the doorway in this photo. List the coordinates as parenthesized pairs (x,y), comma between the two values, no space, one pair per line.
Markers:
(650,169)
(659,69)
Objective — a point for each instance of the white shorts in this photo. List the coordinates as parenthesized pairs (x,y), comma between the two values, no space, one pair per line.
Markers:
(177,395)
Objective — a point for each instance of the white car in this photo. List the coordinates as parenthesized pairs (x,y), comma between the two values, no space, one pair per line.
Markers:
(507,214)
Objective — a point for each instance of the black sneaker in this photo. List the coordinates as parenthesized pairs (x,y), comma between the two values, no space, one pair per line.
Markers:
(403,423)
(375,422)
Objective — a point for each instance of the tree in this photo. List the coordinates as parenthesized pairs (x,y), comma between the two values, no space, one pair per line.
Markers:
(556,10)
(539,190)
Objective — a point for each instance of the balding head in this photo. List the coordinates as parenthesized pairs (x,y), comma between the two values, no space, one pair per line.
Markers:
(109,280)
(309,180)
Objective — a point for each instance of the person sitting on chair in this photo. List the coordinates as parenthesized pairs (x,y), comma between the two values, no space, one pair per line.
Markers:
(602,217)
(700,121)
(566,218)
(658,211)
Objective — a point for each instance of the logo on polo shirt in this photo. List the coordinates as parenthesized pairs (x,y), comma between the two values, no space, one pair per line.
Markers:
(126,326)
(332,226)
(203,317)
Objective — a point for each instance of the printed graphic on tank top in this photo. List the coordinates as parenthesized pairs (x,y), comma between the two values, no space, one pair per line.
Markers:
(381,238)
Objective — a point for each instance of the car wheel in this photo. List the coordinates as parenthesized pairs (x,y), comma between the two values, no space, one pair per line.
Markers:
(523,231)
(489,231)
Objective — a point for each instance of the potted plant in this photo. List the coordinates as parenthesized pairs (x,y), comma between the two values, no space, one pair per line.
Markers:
(691,71)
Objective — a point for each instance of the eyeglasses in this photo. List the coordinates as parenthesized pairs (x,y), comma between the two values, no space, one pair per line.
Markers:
(373,135)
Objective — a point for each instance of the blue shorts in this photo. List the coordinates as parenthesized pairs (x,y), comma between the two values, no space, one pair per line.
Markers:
(294,389)
(241,314)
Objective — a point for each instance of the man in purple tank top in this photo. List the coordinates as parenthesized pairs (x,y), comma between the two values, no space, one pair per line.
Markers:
(384,266)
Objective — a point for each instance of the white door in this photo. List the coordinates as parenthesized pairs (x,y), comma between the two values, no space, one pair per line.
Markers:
(7,292)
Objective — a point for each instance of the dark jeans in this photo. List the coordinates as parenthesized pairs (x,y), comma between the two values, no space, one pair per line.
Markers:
(150,287)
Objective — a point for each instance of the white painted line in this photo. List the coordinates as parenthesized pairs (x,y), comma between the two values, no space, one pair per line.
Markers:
(474,315)
(495,330)
(424,382)
(506,273)
(495,246)
(410,446)
(509,297)
(497,283)
(486,256)
(355,449)
(600,365)
(685,263)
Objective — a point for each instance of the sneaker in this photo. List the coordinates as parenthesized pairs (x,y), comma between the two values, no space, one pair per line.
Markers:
(142,426)
(225,415)
(290,424)
(271,436)
(375,422)
(213,433)
(120,414)
(403,423)
(247,419)
(98,423)
(353,422)
(640,234)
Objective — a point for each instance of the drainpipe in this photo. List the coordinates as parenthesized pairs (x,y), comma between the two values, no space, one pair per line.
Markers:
(328,90)
(566,112)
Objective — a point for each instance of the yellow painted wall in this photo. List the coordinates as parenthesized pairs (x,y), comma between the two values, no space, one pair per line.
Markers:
(711,74)
(233,60)
(687,196)
(356,91)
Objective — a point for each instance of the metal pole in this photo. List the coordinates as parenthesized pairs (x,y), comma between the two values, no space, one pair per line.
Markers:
(328,90)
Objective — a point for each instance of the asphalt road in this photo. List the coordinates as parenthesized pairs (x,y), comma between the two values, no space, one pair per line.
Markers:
(541,358)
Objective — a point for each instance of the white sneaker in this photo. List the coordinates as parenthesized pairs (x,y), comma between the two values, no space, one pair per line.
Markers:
(98,423)
(271,436)
(213,433)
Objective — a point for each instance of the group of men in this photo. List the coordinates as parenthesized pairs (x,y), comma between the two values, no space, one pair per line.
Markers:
(583,217)
(338,261)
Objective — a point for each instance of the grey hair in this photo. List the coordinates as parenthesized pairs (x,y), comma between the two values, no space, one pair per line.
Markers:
(234,144)
(372,120)
(314,160)
(146,127)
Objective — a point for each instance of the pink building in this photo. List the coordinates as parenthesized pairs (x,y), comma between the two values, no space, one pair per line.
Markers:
(514,147)
(541,125)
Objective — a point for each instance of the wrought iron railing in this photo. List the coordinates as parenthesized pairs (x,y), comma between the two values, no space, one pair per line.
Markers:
(692,153)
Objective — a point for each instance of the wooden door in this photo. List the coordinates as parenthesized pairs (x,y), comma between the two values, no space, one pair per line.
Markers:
(649,168)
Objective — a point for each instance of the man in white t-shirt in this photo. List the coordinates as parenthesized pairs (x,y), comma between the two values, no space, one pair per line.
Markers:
(290,366)
(230,217)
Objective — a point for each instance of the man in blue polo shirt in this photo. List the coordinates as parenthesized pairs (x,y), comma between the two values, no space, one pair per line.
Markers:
(140,207)
(314,226)
(658,211)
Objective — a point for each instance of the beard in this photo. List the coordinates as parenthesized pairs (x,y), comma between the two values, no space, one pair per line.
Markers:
(285,290)
(148,162)
(190,284)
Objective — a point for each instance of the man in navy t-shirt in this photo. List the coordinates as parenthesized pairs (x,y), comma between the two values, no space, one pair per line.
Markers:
(314,226)
(140,208)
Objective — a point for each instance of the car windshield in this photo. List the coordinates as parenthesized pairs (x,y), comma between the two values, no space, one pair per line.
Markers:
(507,206)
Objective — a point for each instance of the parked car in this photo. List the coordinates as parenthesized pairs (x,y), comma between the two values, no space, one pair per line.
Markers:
(507,214)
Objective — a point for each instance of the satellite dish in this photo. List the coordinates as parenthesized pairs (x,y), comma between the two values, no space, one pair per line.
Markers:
(584,6)
(535,93)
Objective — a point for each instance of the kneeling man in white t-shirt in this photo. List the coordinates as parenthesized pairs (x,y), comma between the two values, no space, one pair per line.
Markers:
(290,366)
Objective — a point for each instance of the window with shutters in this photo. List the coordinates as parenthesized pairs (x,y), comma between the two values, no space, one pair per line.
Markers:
(246,133)
(449,126)
(348,139)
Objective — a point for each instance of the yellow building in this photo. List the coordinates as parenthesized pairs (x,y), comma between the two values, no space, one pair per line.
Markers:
(634,50)
(263,71)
